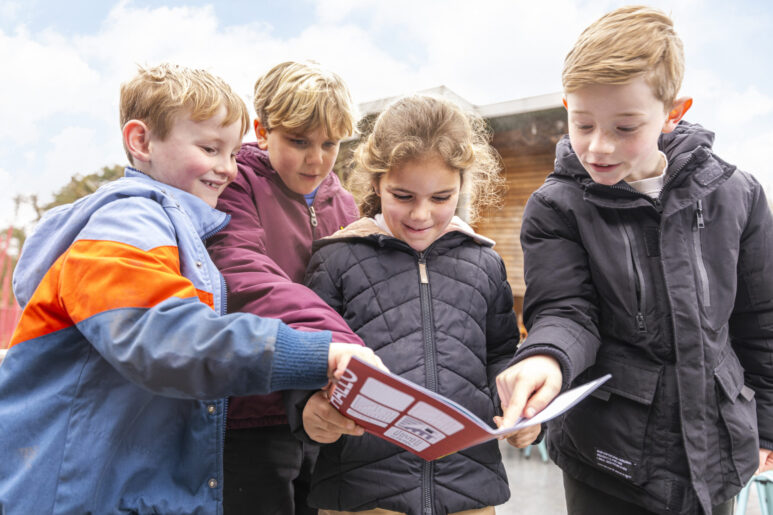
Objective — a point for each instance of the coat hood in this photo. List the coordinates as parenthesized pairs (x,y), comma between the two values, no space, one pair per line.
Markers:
(60,226)
(252,159)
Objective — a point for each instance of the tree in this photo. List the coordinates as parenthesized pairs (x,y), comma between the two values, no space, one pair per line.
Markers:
(80,186)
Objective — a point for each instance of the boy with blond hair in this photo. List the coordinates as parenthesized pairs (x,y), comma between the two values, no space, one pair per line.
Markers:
(112,393)
(283,198)
(647,257)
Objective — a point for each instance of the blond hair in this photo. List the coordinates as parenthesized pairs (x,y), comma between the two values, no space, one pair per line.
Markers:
(156,95)
(302,96)
(623,45)
(420,126)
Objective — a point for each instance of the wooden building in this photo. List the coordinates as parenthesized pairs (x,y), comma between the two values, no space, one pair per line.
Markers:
(525,132)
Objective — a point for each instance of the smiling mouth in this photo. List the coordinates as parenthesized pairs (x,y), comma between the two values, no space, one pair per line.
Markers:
(603,167)
(412,229)
(213,185)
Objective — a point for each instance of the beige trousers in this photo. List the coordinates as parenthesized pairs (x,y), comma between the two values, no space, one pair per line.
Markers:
(378,511)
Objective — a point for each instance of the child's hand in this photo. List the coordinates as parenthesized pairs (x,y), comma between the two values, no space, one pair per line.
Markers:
(339,354)
(766,460)
(521,438)
(325,424)
(527,387)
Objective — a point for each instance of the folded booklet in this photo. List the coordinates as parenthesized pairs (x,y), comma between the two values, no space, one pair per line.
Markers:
(424,422)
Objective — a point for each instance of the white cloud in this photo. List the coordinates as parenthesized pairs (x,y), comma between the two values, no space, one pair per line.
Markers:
(62,116)
(739,107)
(750,153)
(9,11)
(46,76)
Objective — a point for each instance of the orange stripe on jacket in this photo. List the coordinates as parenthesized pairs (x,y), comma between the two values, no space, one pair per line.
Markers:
(95,276)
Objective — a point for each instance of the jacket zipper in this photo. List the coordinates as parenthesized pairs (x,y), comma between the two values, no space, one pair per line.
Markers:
(431,369)
(635,270)
(657,203)
(313,216)
(697,229)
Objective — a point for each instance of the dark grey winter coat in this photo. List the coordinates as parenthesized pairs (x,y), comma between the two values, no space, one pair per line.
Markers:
(672,296)
(451,334)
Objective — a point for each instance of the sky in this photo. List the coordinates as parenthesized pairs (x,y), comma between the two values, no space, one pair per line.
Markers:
(63,63)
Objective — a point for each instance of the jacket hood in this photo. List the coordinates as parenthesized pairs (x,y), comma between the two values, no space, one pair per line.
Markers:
(376,228)
(684,139)
(60,226)
(251,155)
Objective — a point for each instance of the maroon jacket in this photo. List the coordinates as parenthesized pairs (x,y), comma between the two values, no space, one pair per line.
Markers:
(263,253)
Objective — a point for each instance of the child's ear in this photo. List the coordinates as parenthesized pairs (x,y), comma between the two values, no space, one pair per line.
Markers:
(261,134)
(566,106)
(136,139)
(677,112)
(377,186)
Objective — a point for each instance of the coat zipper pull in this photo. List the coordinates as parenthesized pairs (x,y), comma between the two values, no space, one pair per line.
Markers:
(640,325)
(699,215)
(423,277)
(313,216)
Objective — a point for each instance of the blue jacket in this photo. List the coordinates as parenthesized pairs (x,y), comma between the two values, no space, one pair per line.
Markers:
(112,393)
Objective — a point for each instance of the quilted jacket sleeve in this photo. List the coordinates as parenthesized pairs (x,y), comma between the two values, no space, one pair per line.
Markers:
(501,323)
(560,308)
(751,324)
(323,279)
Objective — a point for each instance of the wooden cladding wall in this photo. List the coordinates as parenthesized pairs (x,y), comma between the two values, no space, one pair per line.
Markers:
(524,173)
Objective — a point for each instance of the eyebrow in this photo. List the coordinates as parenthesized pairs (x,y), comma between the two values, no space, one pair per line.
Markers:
(403,190)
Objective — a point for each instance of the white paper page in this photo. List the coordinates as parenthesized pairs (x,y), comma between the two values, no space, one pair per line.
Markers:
(557,406)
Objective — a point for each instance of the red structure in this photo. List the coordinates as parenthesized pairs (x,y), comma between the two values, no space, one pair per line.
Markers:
(9,309)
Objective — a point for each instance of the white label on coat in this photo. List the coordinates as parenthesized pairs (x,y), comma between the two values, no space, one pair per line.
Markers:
(620,466)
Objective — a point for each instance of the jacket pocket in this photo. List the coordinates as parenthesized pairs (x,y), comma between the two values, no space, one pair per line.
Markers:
(608,429)
(738,411)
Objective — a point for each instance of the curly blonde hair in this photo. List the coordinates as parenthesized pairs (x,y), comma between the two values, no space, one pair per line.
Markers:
(418,126)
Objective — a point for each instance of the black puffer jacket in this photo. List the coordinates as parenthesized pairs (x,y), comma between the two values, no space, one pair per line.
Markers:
(672,296)
(451,334)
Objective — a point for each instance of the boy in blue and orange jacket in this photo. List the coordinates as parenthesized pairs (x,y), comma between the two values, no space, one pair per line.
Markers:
(112,393)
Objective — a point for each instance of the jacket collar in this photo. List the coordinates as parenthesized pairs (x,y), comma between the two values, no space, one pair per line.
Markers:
(252,159)
(205,219)
(376,229)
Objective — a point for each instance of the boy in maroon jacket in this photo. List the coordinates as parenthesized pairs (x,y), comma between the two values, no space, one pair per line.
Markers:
(283,198)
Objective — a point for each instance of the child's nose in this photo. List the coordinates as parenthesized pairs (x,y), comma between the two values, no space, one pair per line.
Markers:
(601,143)
(228,168)
(420,211)
(314,156)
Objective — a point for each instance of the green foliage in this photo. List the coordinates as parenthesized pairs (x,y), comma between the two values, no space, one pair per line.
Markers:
(80,186)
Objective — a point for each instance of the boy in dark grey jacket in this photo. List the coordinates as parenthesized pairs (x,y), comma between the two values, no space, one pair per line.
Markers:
(647,257)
